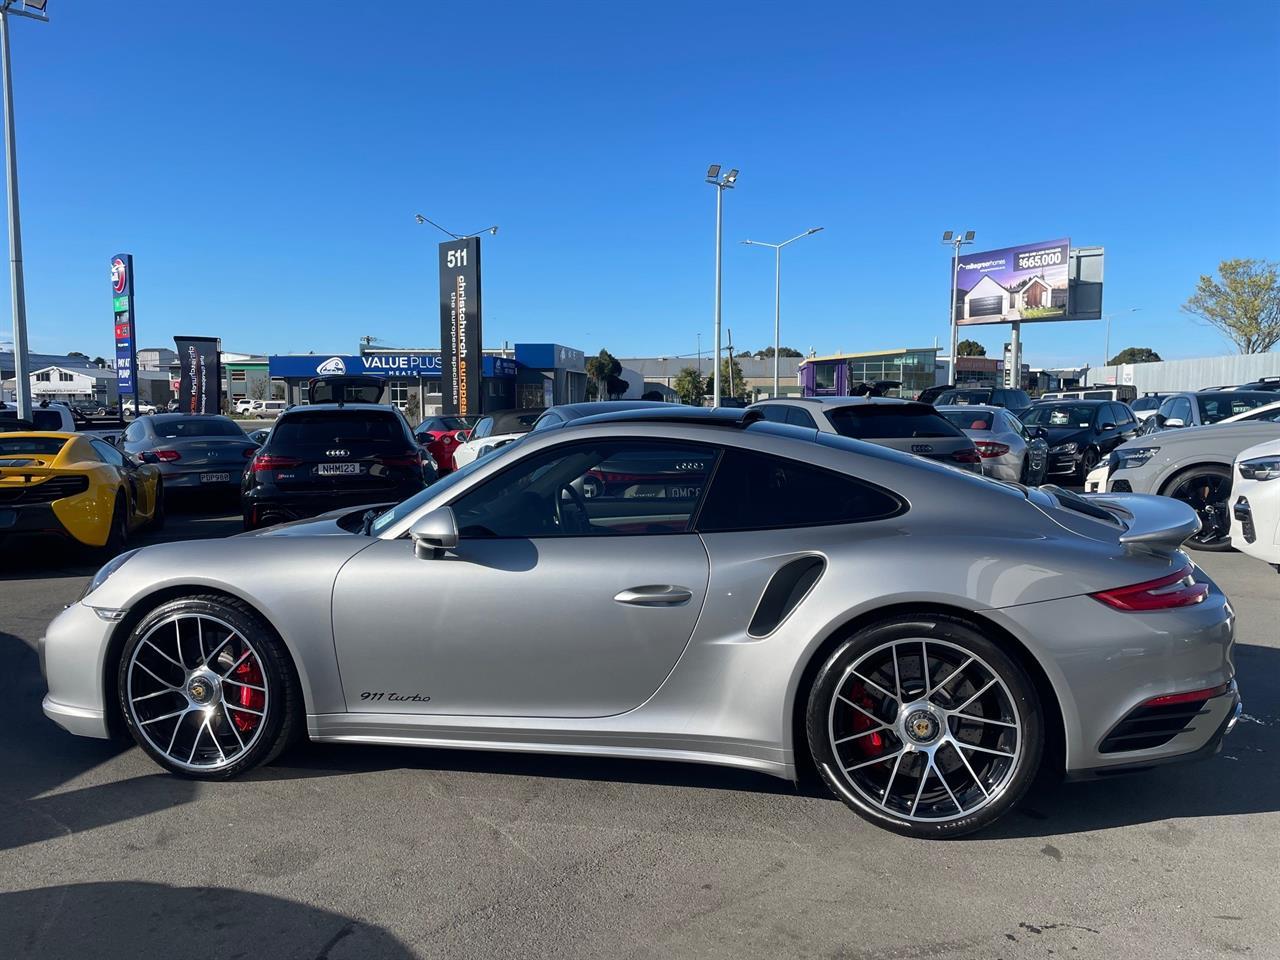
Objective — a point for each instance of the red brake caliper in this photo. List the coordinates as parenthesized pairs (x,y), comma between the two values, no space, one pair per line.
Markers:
(872,745)
(248,672)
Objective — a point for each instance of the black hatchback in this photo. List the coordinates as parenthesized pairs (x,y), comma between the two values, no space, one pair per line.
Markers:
(1081,433)
(330,455)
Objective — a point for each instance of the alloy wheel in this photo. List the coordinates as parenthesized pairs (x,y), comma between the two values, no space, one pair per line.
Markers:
(925,730)
(197,691)
(1207,495)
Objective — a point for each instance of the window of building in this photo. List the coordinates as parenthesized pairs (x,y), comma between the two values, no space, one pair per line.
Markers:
(756,491)
(239,376)
(44,377)
(65,377)
(824,376)
(399,392)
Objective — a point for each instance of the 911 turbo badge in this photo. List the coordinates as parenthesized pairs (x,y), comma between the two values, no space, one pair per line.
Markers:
(373,696)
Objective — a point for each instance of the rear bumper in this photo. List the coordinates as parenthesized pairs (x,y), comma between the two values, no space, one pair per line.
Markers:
(34,520)
(194,479)
(270,505)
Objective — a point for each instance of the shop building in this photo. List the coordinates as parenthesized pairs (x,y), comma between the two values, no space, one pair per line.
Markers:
(837,374)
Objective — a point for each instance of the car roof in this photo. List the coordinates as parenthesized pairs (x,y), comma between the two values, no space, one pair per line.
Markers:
(679,413)
(835,401)
(970,407)
(1073,400)
(327,407)
(574,411)
(166,417)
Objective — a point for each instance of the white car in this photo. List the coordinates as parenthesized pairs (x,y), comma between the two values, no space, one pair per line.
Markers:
(1255,502)
(494,430)
(245,405)
(1096,481)
(270,409)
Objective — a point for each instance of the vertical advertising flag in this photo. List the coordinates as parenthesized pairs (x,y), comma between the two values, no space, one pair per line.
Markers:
(461,347)
(200,383)
(122,307)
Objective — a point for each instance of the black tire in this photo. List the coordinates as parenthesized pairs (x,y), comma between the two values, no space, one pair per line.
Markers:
(118,534)
(1088,461)
(158,517)
(281,719)
(1213,510)
(952,637)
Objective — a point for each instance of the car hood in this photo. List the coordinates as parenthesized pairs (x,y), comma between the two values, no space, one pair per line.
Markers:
(1056,435)
(1240,434)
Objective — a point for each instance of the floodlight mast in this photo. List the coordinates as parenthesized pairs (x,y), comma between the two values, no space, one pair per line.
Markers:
(956,239)
(721,184)
(32,10)
(777,292)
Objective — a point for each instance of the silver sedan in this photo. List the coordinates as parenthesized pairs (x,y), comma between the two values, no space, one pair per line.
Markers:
(1007,448)
(731,591)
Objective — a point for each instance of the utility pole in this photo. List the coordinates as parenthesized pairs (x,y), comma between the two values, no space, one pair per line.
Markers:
(957,239)
(34,10)
(721,184)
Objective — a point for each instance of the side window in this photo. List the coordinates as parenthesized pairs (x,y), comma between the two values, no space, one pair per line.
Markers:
(756,491)
(1180,409)
(546,420)
(774,412)
(483,429)
(107,452)
(800,418)
(1121,416)
(46,420)
(135,431)
(606,487)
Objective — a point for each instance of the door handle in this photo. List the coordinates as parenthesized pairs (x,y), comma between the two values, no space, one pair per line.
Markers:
(655,595)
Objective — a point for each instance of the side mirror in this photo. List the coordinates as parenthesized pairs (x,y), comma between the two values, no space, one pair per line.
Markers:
(434,533)
(1172,422)
(423,438)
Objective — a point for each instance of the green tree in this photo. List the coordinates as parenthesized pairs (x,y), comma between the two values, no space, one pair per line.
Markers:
(745,353)
(99,362)
(970,348)
(600,368)
(1134,355)
(689,387)
(731,382)
(767,353)
(616,386)
(1244,306)
(77,353)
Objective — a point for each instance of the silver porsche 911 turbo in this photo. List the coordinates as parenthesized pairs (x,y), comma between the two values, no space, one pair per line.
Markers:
(684,585)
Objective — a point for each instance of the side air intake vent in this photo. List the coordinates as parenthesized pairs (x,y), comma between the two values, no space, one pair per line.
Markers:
(786,589)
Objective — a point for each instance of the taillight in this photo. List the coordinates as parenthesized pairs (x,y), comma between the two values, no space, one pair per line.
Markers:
(168,456)
(989,448)
(267,461)
(966,456)
(1191,696)
(1175,590)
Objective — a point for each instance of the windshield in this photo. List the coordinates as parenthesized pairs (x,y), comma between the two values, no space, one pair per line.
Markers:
(443,423)
(1076,415)
(405,507)
(197,427)
(1219,406)
(361,433)
(38,446)
(964,396)
(890,421)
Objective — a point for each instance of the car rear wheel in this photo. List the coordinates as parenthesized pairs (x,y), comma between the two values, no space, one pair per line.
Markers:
(1088,460)
(1206,490)
(924,726)
(157,515)
(118,532)
(206,688)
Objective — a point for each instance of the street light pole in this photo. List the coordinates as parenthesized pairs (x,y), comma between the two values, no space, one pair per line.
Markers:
(777,292)
(21,360)
(957,239)
(721,184)
(1106,349)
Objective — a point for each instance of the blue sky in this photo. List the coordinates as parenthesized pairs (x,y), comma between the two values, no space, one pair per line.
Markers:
(264,167)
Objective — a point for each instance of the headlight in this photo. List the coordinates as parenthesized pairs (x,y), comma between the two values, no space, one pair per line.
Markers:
(1261,468)
(108,568)
(1071,447)
(1133,458)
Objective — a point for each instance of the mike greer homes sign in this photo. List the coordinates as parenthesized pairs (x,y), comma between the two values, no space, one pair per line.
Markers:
(460,336)
(1025,283)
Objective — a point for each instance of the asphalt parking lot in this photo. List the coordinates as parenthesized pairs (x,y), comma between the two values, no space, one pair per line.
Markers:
(344,852)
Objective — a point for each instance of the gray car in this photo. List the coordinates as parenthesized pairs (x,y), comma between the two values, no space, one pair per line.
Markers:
(1007,448)
(193,451)
(763,599)
(1192,465)
(906,425)
(1200,409)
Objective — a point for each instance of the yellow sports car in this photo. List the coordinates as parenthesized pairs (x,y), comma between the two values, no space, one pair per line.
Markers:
(75,485)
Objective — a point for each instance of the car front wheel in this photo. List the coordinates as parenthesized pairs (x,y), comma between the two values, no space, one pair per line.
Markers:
(206,688)
(924,726)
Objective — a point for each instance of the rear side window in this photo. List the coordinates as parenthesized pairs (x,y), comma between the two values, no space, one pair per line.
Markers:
(964,396)
(46,420)
(800,418)
(756,491)
(360,433)
(33,446)
(977,420)
(1219,406)
(885,421)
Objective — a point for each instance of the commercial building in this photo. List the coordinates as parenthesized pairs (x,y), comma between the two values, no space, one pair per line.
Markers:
(839,373)
(1166,376)
(660,373)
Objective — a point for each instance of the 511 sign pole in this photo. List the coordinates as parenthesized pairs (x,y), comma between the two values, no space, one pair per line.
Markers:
(461,340)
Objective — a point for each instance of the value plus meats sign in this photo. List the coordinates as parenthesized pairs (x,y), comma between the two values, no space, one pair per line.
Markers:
(122,307)
(461,346)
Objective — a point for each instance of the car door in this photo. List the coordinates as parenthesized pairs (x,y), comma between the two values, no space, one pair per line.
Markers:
(562,598)
(140,492)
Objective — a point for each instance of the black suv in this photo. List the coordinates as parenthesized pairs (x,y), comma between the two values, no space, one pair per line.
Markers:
(1081,433)
(1015,401)
(325,456)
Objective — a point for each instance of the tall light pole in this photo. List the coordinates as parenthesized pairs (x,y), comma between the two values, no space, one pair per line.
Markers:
(777,291)
(1106,350)
(957,239)
(721,184)
(492,231)
(34,10)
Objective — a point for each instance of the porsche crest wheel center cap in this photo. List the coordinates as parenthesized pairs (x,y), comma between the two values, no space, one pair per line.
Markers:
(922,727)
(202,690)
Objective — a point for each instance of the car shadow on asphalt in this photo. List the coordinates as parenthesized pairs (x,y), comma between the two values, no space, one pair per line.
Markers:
(130,920)
(38,757)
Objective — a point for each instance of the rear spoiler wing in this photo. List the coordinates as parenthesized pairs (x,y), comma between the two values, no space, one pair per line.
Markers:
(1151,523)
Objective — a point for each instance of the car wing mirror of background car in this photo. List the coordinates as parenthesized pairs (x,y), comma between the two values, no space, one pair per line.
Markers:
(1172,422)
(434,533)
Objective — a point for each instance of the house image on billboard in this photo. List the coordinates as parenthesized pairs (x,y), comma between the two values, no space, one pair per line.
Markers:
(990,298)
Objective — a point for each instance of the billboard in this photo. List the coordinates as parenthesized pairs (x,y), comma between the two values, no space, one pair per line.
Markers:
(200,383)
(1027,283)
(122,308)
(460,337)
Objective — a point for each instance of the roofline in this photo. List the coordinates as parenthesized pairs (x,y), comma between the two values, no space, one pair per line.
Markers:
(869,353)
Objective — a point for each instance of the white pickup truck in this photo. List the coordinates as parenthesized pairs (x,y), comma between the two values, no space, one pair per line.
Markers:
(58,417)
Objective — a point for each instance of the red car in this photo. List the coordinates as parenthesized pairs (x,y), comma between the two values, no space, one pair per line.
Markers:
(441,436)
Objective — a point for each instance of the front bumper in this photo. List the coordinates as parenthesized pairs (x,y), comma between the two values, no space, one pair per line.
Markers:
(1255,518)
(1104,663)
(1063,463)
(72,656)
